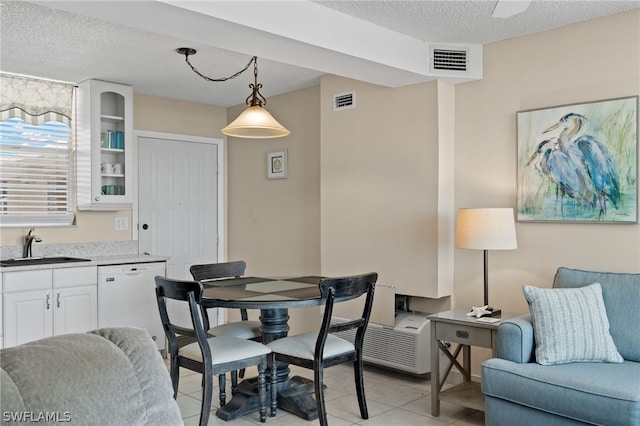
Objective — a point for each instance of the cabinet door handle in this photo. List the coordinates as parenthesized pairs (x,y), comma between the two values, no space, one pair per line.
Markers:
(48,301)
(58,299)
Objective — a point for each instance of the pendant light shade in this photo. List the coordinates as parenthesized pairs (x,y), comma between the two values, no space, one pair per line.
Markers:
(257,123)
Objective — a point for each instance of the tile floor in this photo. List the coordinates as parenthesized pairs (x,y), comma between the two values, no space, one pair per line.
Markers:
(392,398)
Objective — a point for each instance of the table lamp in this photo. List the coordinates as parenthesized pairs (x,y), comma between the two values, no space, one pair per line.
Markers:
(486,229)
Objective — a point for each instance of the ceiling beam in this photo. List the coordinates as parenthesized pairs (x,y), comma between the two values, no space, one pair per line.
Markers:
(299,33)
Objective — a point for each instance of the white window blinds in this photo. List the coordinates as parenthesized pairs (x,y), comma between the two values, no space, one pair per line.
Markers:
(35,152)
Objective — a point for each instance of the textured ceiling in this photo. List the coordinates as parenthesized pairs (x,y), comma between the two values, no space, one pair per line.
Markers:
(44,42)
(470,21)
(134,42)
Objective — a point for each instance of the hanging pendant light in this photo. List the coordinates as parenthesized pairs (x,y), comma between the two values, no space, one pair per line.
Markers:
(255,122)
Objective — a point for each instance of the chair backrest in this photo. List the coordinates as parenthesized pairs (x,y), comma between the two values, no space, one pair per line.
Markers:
(214,271)
(185,291)
(342,289)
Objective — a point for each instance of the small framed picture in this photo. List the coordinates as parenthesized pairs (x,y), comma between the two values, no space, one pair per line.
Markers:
(277,165)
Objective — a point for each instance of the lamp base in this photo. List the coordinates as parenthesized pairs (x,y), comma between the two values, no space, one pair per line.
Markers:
(492,312)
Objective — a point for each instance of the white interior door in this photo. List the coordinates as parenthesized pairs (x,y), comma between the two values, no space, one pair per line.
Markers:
(179,197)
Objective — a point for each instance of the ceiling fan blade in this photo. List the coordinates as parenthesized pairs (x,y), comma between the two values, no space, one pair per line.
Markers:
(509,8)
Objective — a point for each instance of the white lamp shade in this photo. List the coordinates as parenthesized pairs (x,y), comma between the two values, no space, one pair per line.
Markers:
(486,229)
(255,122)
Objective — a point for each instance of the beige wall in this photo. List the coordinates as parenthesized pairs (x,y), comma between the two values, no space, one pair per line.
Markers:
(274,225)
(89,227)
(588,61)
(380,188)
(184,118)
(556,67)
(388,146)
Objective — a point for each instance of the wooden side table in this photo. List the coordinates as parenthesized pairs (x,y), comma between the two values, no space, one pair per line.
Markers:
(454,326)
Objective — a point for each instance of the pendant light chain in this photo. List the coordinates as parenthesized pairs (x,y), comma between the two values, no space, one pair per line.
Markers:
(186,58)
(255,98)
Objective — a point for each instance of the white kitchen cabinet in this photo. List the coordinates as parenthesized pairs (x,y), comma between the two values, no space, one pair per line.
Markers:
(46,302)
(105,146)
(28,316)
(75,310)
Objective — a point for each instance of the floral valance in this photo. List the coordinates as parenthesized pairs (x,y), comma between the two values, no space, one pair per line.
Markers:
(35,101)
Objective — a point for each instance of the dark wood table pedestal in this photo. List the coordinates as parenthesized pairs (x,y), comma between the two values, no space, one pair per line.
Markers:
(294,396)
(294,393)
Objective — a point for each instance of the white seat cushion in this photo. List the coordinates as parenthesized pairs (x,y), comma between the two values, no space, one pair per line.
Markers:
(303,346)
(240,329)
(225,349)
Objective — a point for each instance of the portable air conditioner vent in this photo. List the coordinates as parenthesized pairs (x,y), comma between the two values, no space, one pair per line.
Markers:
(403,347)
(450,60)
(344,101)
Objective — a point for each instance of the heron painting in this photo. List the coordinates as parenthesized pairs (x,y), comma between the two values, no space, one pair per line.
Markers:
(579,163)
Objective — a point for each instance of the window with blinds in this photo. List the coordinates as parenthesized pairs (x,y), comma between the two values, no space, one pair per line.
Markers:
(35,173)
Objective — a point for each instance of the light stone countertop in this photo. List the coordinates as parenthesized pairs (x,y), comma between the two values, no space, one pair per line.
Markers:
(100,254)
(94,261)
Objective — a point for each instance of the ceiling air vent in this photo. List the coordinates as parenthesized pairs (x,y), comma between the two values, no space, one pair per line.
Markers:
(449,60)
(345,100)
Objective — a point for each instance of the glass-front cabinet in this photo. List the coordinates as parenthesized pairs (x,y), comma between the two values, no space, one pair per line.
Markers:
(104,146)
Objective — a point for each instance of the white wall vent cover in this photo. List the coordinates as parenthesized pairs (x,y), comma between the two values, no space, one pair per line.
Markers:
(455,61)
(346,100)
(404,347)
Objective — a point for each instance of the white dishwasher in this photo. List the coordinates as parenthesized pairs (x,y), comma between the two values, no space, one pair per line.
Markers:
(127,297)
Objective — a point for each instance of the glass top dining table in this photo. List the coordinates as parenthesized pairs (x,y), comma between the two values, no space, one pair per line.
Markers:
(258,292)
(273,296)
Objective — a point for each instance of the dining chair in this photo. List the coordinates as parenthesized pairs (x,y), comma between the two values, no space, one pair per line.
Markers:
(208,355)
(243,329)
(321,349)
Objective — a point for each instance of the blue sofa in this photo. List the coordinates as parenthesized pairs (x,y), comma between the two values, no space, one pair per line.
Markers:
(518,391)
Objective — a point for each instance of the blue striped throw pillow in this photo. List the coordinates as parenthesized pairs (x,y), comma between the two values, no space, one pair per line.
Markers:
(570,325)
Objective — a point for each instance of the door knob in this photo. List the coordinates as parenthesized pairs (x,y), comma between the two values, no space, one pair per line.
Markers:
(145,226)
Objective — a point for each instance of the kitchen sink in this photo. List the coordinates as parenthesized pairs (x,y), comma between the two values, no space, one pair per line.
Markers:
(27,261)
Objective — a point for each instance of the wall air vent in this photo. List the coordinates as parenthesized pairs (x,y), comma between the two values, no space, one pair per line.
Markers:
(459,63)
(345,100)
(449,60)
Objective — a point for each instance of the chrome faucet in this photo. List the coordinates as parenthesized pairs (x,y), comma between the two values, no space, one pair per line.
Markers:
(28,242)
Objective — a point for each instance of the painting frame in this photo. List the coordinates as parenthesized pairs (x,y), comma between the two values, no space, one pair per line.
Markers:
(277,164)
(578,163)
